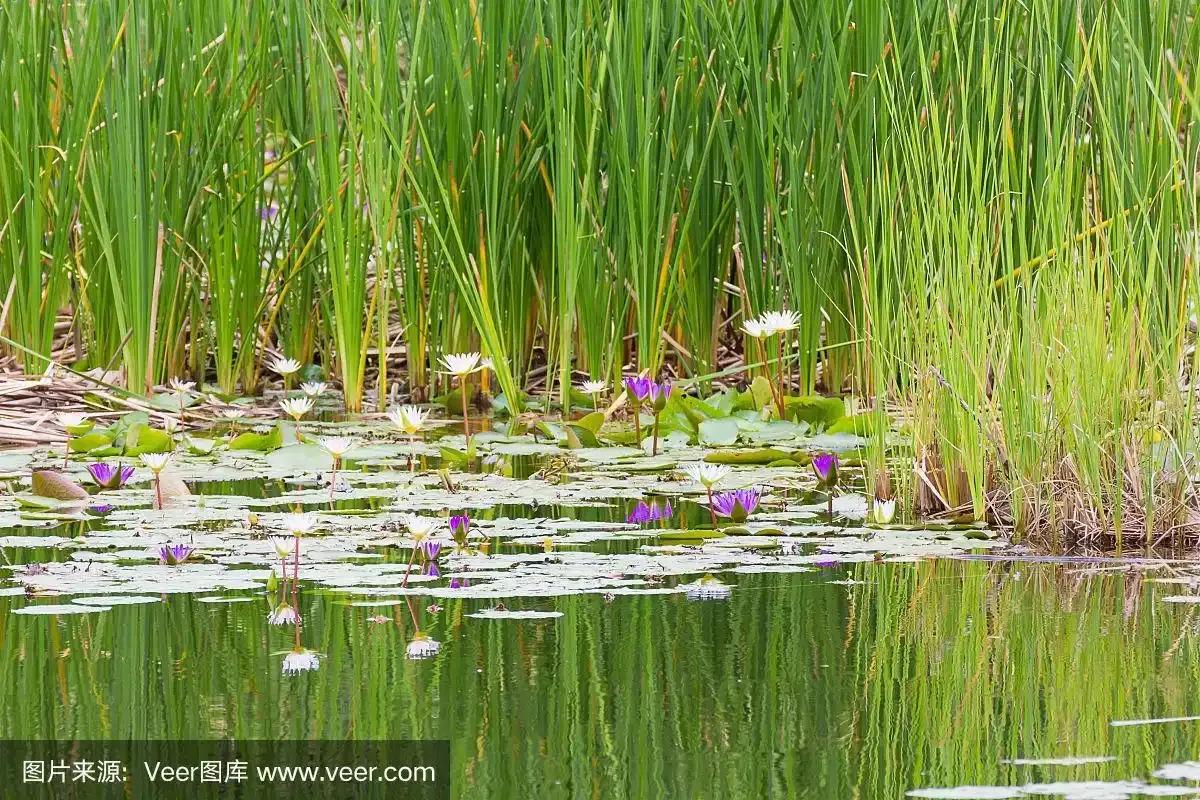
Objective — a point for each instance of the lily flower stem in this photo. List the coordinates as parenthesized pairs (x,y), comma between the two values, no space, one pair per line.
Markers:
(762,357)
(637,422)
(296,578)
(413,614)
(462,387)
(412,452)
(158,490)
(411,558)
(780,396)
(333,478)
(654,436)
(830,506)
(711,514)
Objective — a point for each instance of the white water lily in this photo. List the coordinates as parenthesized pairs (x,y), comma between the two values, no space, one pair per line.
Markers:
(182,386)
(754,328)
(71,421)
(461,364)
(707,588)
(156,462)
(593,387)
(233,413)
(286,366)
(422,646)
(409,419)
(336,446)
(706,474)
(297,524)
(296,407)
(284,546)
(774,322)
(299,661)
(283,615)
(170,424)
(314,388)
(883,511)
(419,526)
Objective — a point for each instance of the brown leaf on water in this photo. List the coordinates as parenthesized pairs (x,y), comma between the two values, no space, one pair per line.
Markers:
(173,489)
(56,485)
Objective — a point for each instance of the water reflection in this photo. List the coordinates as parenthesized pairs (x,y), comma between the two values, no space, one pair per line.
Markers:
(918,675)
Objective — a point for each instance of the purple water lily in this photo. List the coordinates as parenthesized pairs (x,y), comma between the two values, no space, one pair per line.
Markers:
(431,548)
(638,386)
(109,476)
(459,583)
(736,505)
(659,394)
(268,212)
(825,467)
(458,521)
(99,509)
(174,554)
(645,512)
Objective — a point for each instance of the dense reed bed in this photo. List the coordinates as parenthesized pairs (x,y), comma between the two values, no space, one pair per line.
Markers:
(984,212)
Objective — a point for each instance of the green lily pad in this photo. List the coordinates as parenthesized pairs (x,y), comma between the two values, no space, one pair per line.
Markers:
(262,442)
(297,458)
(814,409)
(721,432)
(764,455)
(90,441)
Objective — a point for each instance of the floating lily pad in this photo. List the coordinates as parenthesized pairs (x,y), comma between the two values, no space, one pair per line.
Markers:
(500,613)
(117,600)
(60,608)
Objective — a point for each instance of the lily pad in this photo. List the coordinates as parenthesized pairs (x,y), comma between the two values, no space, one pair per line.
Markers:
(57,486)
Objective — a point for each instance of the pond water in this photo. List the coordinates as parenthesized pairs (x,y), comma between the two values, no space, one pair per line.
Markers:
(828,659)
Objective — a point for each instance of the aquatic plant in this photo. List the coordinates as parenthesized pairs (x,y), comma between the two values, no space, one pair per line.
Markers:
(420,526)
(430,548)
(736,505)
(707,475)
(175,554)
(313,389)
(286,368)
(637,388)
(652,511)
(883,511)
(296,407)
(234,415)
(594,388)
(825,467)
(75,425)
(337,447)
(462,366)
(409,420)
(659,394)
(99,509)
(460,528)
(421,646)
(156,463)
(110,476)
(708,588)
(300,660)
(283,614)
